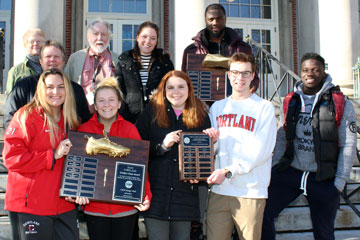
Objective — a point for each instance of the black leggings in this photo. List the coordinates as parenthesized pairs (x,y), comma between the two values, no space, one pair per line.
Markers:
(107,228)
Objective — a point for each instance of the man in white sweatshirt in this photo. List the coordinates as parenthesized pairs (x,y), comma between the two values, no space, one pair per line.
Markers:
(245,128)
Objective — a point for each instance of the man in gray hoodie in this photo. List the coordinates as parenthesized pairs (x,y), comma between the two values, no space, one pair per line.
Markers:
(315,150)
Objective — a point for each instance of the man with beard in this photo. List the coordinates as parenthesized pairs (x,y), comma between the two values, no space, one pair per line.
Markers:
(90,65)
(216,38)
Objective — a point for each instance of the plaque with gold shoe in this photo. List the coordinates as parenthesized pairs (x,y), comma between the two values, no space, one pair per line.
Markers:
(196,156)
(105,169)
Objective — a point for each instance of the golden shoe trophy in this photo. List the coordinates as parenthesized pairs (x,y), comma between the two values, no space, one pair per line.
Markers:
(106,146)
(105,169)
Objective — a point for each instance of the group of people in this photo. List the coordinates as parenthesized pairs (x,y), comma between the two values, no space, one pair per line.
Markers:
(259,170)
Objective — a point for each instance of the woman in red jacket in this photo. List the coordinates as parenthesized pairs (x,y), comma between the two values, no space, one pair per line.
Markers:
(109,220)
(34,147)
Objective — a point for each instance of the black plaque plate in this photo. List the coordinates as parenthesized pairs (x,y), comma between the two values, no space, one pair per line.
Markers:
(129,178)
(196,156)
(103,178)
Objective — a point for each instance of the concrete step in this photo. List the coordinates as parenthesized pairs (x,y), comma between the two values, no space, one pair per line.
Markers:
(3,169)
(298,219)
(3,180)
(301,200)
(339,235)
(5,229)
(3,212)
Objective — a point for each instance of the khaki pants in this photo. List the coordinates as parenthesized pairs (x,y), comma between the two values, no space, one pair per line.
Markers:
(225,212)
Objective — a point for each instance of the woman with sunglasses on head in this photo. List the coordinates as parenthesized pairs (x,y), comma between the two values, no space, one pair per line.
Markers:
(111,220)
(140,69)
(173,109)
(35,144)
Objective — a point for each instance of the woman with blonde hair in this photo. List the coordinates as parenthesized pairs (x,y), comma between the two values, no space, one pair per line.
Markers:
(35,144)
(173,109)
(111,220)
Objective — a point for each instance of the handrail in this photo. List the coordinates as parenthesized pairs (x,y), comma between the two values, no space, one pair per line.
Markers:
(264,61)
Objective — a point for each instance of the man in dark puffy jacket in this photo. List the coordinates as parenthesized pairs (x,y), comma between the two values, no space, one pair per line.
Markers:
(216,38)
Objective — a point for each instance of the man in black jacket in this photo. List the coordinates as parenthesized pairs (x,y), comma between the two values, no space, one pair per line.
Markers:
(52,55)
(216,38)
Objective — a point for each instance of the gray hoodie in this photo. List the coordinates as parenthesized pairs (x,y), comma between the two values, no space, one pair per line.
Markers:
(304,157)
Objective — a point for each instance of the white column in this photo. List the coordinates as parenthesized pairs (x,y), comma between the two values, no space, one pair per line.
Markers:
(45,14)
(338,21)
(189,20)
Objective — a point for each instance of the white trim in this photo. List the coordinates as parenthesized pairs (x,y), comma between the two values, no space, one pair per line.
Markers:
(5,17)
(117,20)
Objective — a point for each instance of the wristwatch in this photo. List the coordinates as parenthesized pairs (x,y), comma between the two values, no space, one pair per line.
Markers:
(228,173)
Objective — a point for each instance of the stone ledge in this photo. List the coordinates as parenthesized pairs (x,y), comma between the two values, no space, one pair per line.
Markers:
(3,212)
(298,219)
(5,229)
(3,180)
(339,235)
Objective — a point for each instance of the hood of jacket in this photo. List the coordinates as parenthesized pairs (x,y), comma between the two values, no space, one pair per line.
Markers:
(299,89)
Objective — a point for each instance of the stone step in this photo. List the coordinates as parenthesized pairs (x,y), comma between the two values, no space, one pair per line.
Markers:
(339,235)
(3,212)
(5,228)
(298,219)
(301,200)
(3,180)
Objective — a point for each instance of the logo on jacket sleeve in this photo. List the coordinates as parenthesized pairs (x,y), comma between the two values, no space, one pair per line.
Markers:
(10,131)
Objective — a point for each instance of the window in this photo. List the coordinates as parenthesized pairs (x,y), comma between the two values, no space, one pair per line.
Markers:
(247,8)
(5,4)
(118,6)
(262,37)
(128,36)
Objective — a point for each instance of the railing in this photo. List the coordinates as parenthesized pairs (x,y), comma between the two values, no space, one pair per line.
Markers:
(267,76)
(356,78)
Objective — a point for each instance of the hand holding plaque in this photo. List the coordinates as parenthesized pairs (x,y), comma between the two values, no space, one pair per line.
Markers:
(196,156)
(107,169)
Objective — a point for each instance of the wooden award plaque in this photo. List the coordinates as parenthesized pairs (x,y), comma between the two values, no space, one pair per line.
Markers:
(210,84)
(103,178)
(196,156)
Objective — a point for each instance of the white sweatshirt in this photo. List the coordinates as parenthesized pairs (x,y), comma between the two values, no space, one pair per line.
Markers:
(247,139)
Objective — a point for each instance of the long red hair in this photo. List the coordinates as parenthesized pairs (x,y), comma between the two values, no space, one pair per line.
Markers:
(194,112)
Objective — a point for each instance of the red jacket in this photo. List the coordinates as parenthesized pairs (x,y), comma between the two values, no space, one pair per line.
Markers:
(119,128)
(34,177)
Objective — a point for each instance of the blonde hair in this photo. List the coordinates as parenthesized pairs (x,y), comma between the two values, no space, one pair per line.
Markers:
(39,102)
(32,31)
(110,83)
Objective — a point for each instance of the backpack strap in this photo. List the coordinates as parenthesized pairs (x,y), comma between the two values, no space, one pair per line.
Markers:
(339,101)
(286,103)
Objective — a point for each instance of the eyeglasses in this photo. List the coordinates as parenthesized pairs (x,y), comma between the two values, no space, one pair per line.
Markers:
(36,41)
(245,74)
